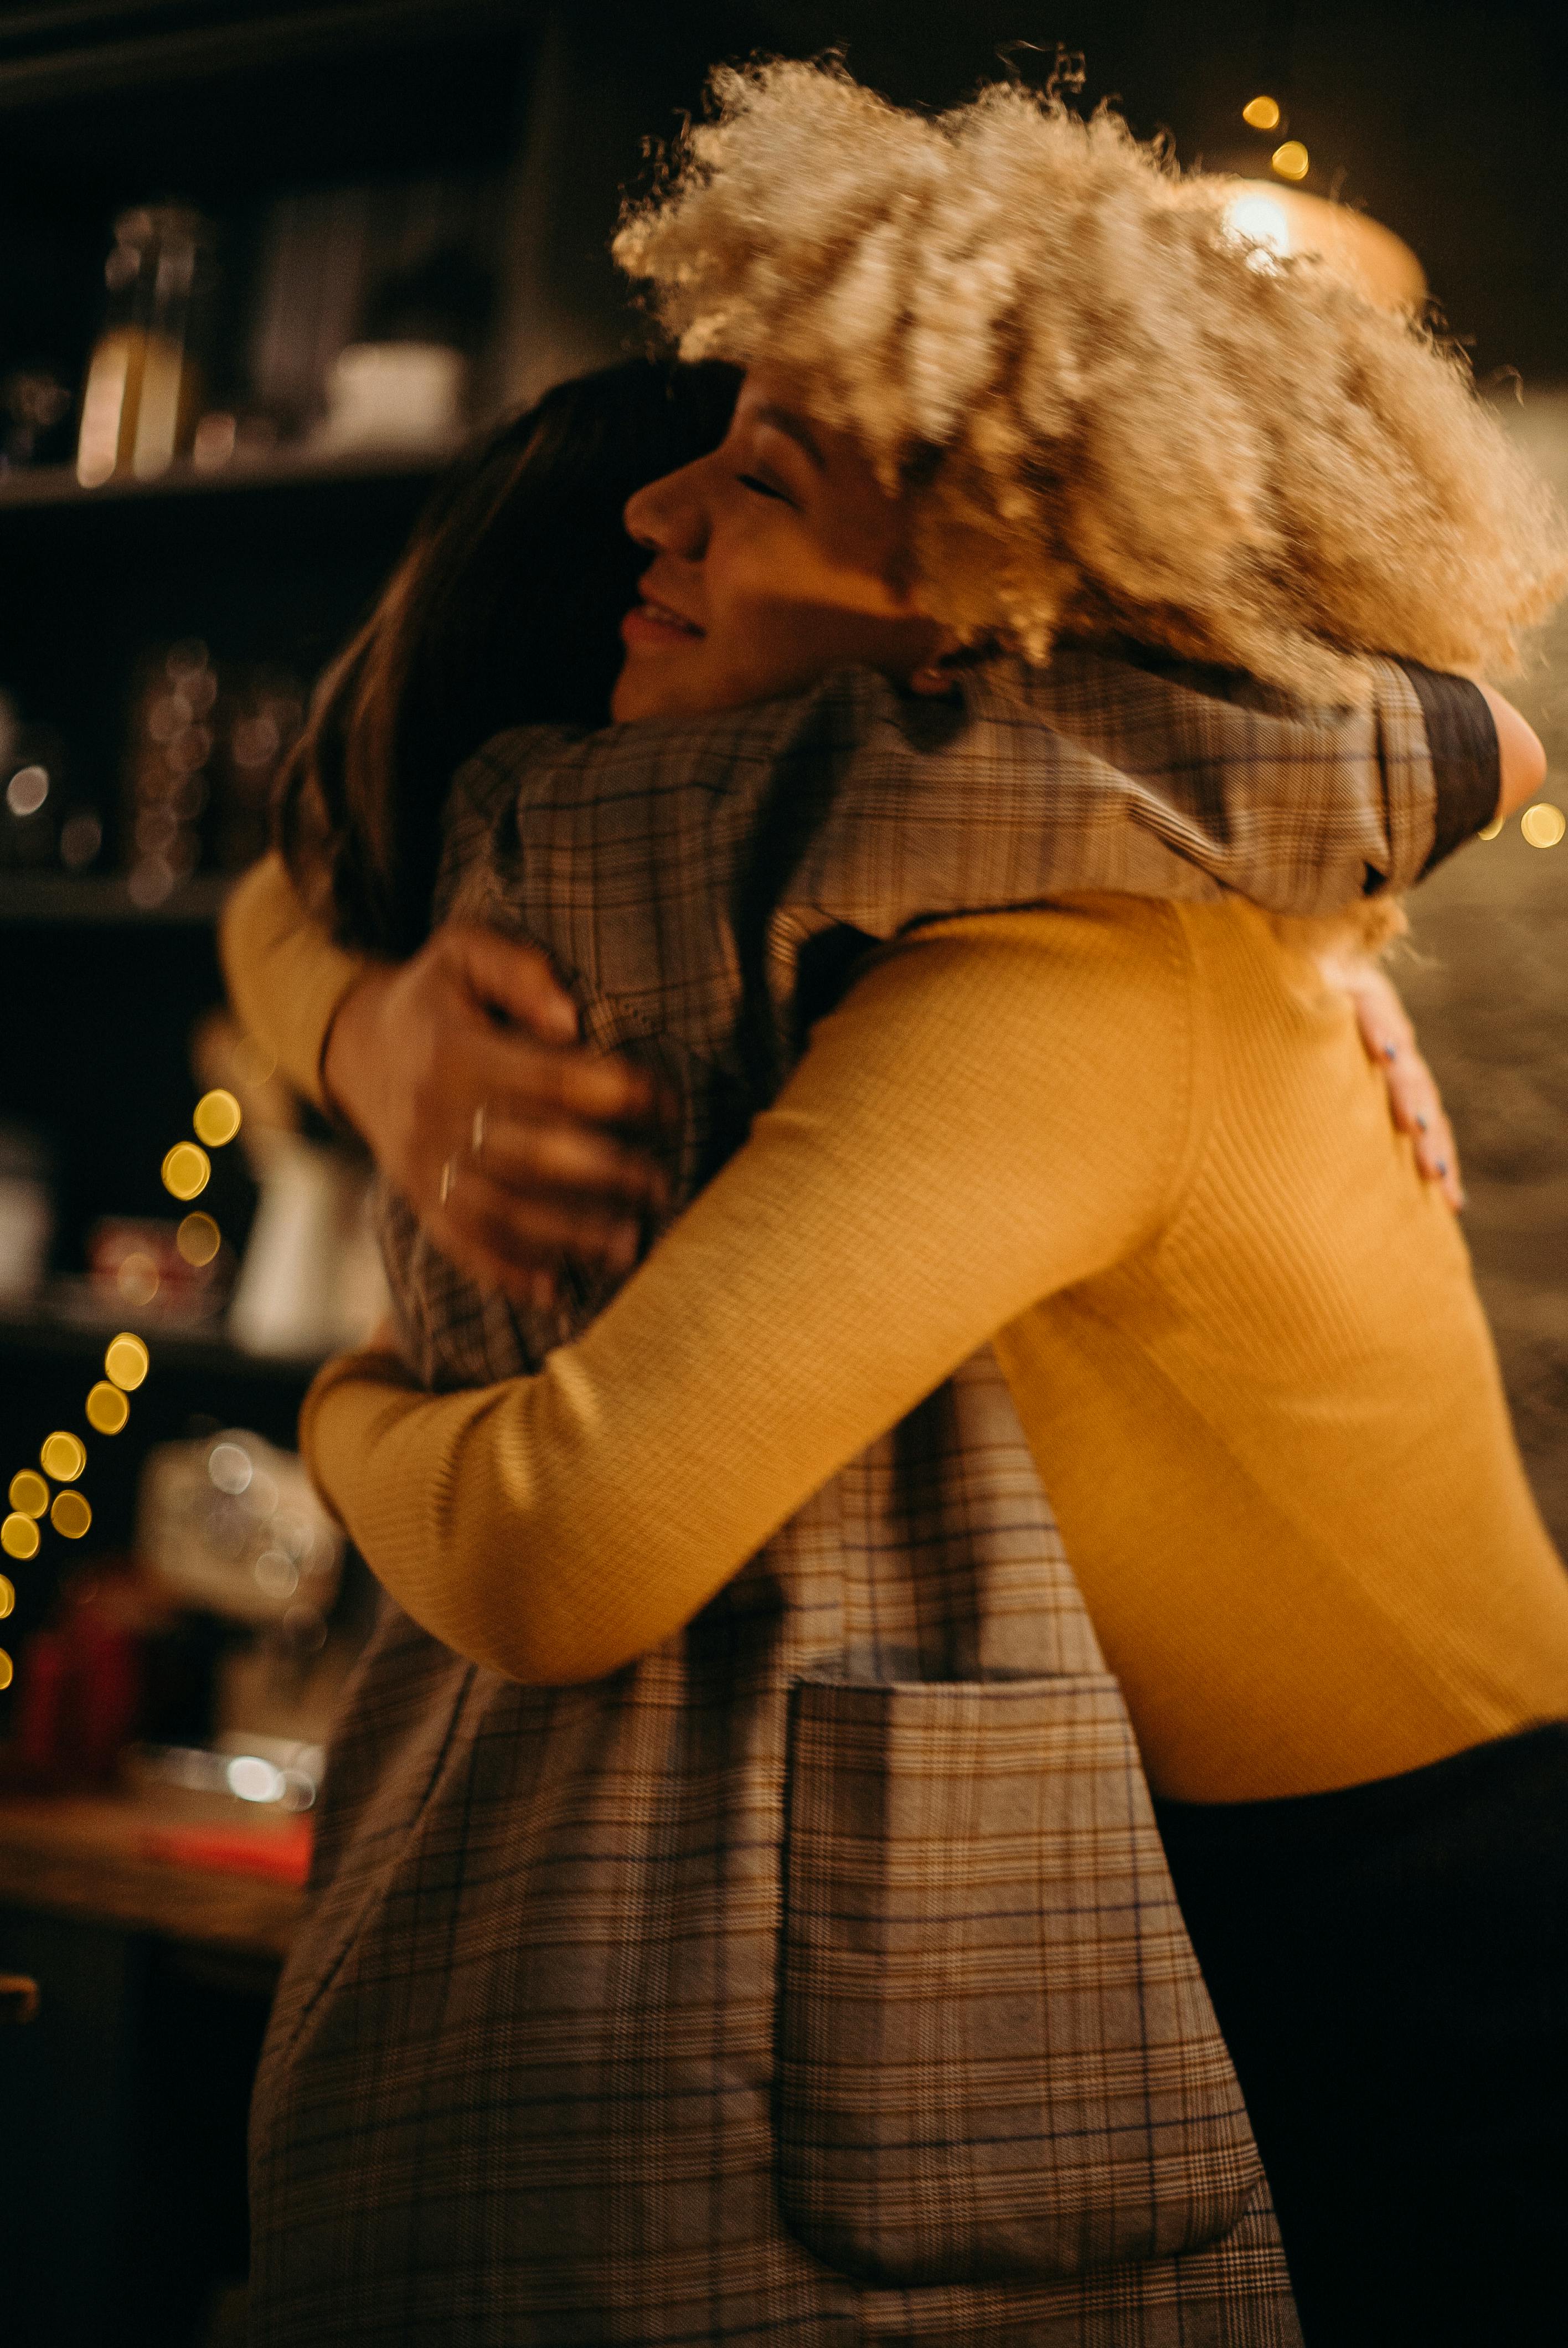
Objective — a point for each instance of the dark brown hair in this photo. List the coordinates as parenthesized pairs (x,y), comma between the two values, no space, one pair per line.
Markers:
(505,611)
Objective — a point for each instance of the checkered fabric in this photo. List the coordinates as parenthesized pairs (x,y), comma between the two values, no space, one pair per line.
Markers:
(819,1978)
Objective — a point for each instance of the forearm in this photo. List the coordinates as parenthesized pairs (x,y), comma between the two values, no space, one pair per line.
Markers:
(286,979)
(554,1526)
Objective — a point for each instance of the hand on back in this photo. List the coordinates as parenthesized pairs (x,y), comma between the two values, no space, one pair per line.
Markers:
(514,1144)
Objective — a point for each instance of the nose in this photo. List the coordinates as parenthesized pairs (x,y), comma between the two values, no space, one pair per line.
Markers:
(670,516)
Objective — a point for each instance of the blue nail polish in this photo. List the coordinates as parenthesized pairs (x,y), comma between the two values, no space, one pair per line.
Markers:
(1390,1051)
(1420,1123)
(1442,1166)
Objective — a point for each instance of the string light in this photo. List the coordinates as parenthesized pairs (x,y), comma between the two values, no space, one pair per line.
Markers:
(107,1409)
(29,1492)
(63,1457)
(1543,825)
(1291,160)
(19,1538)
(1262,113)
(70,1515)
(198,1239)
(125,1362)
(187,1170)
(216,1119)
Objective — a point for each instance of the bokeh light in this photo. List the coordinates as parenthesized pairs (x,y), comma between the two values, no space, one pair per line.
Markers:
(29,1493)
(187,1170)
(136,1278)
(70,1515)
(1263,113)
(7,1597)
(252,1062)
(1291,160)
(5,1669)
(28,789)
(63,1457)
(216,1119)
(1543,825)
(19,1538)
(126,1361)
(198,1239)
(107,1409)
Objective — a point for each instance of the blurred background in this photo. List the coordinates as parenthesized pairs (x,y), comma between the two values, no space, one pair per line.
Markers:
(263,265)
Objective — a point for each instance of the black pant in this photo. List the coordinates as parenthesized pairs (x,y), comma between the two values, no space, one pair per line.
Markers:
(1389,1966)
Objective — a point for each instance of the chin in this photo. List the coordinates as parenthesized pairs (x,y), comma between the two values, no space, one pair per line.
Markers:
(651,692)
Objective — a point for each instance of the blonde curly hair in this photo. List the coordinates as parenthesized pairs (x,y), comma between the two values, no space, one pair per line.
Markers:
(1110,414)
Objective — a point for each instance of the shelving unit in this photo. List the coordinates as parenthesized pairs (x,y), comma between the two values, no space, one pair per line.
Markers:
(56,485)
(271,559)
(94,901)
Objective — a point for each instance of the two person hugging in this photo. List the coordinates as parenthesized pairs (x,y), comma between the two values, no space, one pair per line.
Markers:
(901,1063)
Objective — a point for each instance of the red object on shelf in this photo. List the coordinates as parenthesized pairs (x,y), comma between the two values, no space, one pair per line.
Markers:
(78,1690)
(282,1854)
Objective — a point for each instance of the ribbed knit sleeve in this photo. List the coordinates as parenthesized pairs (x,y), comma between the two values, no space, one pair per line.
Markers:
(285,978)
(1000,1108)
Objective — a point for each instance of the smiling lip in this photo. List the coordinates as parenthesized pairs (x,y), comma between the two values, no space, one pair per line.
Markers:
(655,625)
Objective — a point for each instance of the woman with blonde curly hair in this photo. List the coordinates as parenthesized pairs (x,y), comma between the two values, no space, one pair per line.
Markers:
(1127,1138)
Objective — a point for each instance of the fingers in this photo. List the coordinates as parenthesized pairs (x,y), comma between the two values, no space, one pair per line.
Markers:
(518,1242)
(514,1074)
(575,1165)
(1414,1101)
(515,980)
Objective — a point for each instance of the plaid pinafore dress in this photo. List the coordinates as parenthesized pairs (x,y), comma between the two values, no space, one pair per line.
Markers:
(819,1978)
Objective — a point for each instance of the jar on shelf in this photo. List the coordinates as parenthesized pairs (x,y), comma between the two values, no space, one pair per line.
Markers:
(144,390)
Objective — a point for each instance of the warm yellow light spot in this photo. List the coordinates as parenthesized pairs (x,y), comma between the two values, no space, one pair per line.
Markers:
(216,1119)
(64,1456)
(5,1669)
(186,1170)
(136,1278)
(126,1361)
(252,1062)
(70,1515)
(19,1538)
(1263,113)
(29,1493)
(1490,830)
(1543,825)
(1291,160)
(7,1597)
(198,1239)
(108,1409)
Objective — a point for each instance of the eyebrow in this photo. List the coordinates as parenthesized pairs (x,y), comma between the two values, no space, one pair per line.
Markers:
(784,420)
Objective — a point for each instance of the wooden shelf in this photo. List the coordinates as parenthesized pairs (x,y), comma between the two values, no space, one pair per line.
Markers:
(95,901)
(75,49)
(54,485)
(100,1858)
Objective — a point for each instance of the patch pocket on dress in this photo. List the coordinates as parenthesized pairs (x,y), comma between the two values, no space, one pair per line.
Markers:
(996,2056)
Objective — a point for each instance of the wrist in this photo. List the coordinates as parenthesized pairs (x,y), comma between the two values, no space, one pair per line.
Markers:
(348,1049)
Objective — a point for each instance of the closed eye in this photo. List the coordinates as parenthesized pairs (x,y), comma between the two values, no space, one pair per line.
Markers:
(761,489)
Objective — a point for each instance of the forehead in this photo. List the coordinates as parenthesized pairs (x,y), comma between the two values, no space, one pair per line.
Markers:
(772,399)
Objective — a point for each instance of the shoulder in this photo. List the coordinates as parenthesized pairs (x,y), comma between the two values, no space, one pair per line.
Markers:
(1043,980)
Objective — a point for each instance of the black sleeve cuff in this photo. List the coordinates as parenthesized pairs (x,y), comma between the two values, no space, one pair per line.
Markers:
(1467,767)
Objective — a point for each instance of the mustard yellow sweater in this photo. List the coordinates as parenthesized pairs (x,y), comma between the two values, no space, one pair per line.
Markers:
(1140,1146)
